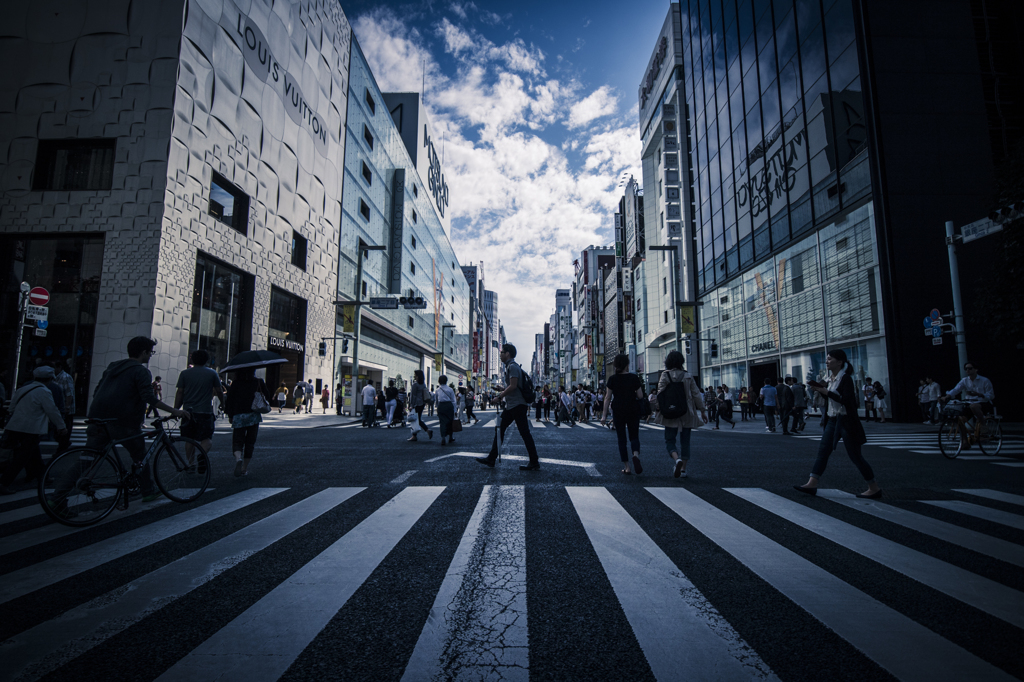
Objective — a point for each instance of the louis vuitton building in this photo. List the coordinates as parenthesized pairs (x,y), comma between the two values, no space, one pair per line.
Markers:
(818,147)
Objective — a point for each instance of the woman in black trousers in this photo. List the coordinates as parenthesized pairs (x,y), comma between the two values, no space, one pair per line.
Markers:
(625,388)
(245,423)
(840,422)
(445,398)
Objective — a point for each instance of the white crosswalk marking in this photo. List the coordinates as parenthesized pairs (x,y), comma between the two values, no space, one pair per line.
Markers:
(994,495)
(906,649)
(286,620)
(662,605)
(980,512)
(41,575)
(487,579)
(969,539)
(59,640)
(984,594)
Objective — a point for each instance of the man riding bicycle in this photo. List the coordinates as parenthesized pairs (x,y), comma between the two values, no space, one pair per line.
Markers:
(976,391)
(124,391)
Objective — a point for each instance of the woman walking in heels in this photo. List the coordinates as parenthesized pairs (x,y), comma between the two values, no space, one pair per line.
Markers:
(841,421)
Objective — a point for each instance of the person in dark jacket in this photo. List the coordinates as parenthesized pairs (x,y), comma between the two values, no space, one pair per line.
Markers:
(124,391)
(785,404)
(245,423)
(840,422)
(418,398)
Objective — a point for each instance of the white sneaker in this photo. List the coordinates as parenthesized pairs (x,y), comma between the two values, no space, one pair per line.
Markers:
(677,471)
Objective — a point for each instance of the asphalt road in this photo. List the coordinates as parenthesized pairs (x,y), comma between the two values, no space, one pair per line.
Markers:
(351,554)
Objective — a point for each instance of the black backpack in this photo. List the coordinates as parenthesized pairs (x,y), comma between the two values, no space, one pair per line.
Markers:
(672,399)
(526,386)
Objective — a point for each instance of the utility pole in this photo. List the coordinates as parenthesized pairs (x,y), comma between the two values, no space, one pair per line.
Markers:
(22,309)
(363,247)
(958,309)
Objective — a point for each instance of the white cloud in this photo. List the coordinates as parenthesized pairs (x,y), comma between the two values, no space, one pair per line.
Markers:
(599,103)
(524,201)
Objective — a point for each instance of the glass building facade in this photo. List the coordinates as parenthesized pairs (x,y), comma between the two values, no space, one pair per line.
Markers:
(786,263)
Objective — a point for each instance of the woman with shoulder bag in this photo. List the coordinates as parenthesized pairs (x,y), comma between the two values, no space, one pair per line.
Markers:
(245,410)
(840,421)
(418,398)
(682,425)
(626,389)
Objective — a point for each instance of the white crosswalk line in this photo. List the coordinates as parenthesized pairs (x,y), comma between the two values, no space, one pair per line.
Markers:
(55,642)
(993,495)
(987,595)
(402,478)
(968,539)
(679,631)
(980,512)
(37,510)
(583,425)
(287,619)
(896,643)
(46,573)
(21,495)
(589,466)
(487,580)
(1016,465)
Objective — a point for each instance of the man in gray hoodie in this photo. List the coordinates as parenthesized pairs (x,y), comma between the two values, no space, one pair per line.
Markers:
(124,391)
(33,411)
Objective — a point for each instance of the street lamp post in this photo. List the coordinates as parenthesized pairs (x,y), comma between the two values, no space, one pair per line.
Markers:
(363,248)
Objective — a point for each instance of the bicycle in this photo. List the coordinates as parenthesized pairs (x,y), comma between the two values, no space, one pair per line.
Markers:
(84,485)
(959,430)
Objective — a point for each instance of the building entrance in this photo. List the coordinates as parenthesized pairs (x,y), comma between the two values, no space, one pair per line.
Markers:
(287,372)
(762,371)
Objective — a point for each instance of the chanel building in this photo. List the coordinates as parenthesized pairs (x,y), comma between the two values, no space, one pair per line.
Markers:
(793,148)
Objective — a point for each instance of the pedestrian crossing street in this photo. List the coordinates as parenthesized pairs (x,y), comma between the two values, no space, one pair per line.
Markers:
(479,624)
(927,443)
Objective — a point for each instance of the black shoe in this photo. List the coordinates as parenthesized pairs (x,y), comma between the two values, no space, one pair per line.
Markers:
(451,440)
(430,433)
(486,462)
(870,496)
(533,466)
(808,491)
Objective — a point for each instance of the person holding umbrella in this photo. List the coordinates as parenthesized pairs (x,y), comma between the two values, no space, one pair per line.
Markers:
(247,400)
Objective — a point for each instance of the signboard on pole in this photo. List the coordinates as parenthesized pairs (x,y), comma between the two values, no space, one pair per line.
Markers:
(937,341)
(38,296)
(687,319)
(384,303)
(40,332)
(37,312)
(348,319)
(438,360)
(976,230)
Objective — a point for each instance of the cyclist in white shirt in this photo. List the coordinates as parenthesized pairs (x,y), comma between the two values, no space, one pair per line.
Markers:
(976,391)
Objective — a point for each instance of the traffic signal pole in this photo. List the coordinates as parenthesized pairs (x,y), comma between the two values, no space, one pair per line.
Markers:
(958,308)
(23,309)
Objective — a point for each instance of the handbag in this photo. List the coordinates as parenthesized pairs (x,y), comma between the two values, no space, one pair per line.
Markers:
(260,403)
(456,426)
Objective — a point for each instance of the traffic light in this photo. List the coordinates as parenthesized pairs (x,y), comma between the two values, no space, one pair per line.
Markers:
(687,346)
(344,345)
(714,350)
(323,348)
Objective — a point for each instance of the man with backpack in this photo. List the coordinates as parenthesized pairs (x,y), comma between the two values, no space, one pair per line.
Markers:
(518,395)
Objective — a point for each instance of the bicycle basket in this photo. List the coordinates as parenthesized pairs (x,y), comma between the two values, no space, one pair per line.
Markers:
(953,410)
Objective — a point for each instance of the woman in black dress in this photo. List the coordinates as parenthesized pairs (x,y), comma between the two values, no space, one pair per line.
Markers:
(625,388)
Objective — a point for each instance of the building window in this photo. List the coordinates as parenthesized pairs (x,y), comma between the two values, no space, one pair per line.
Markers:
(228,204)
(74,165)
(364,287)
(414,214)
(411,321)
(299,248)
(414,242)
(370,103)
(664,286)
(412,267)
(415,191)
(666,317)
(367,175)
(364,210)
(221,321)
(368,136)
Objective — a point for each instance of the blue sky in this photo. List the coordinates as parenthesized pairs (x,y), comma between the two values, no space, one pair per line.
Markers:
(537,103)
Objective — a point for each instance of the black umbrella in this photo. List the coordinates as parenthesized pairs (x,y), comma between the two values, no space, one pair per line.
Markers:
(253,358)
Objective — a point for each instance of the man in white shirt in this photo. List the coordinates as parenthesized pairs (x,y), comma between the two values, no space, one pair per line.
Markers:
(930,397)
(369,397)
(976,391)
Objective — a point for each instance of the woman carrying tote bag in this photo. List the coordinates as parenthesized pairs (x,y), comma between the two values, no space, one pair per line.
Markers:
(243,407)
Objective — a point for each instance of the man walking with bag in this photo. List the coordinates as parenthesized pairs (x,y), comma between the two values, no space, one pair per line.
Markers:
(517,408)
(32,412)
(194,393)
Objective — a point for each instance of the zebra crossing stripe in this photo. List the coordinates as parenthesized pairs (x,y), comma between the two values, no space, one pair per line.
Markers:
(55,642)
(487,579)
(22,495)
(987,595)
(402,478)
(287,619)
(37,510)
(908,650)
(675,625)
(1010,464)
(968,539)
(980,512)
(993,495)
(46,573)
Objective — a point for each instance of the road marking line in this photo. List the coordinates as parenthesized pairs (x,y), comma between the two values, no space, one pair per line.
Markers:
(37,509)
(1009,464)
(486,581)
(987,595)
(50,645)
(968,539)
(402,478)
(993,495)
(589,466)
(980,512)
(22,495)
(46,573)
(287,619)
(895,642)
(675,625)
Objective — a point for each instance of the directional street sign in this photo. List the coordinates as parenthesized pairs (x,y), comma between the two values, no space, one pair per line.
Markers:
(38,296)
(978,229)
(42,324)
(384,303)
(936,331)
(40,332)
(37,312)
(937,341)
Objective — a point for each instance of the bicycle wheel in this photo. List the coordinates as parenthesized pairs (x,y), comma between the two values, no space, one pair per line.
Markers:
(180,477)
(991,439)
(80,487)
(951,437)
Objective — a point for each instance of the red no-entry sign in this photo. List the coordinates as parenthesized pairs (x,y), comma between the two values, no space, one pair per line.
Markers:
(38,296)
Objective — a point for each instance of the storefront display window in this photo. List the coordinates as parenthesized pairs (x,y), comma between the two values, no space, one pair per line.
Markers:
(221,310)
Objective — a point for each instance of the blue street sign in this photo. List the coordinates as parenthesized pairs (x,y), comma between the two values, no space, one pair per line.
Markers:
(927,322)
(936,332)
(42,324)
(936,314)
